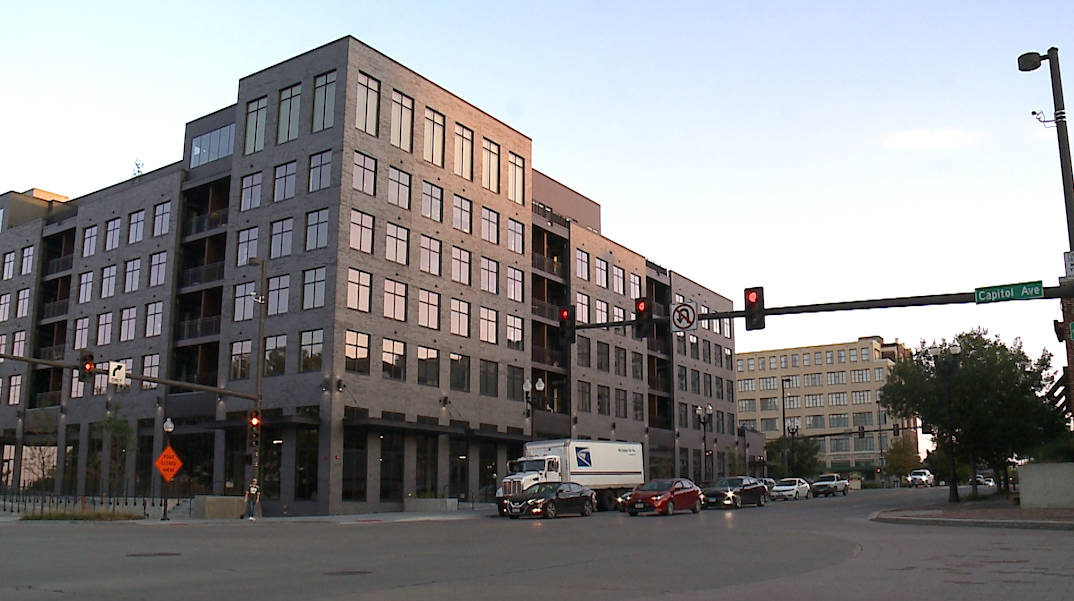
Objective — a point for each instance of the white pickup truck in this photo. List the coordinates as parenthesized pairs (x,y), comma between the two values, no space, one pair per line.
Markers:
(830,484)
(921,478)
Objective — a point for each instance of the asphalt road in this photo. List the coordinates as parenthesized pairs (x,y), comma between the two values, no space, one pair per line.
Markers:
(817,548)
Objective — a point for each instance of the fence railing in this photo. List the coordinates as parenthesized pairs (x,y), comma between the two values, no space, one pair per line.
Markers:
(29,503)
(199,328)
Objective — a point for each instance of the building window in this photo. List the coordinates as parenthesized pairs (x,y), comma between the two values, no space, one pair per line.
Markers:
(251,192)
(460,372)
(162,216)
(490,225)
(857,376)
(310,350)
(317,229)
(362,231)
(428,366)
(393,359)
(637,366)
(158,264)
(680,377)
(515,237)
(604,356)
(842,356)
(127,322)
(430,255)
(5,306)
(601,272)
(247,248)
(85,287)
(581,264)
(434,137)
(279,289)
(290,99)
(22,304)
(837,399)
(324,101)
(428,309)
(368,104)
(620,361)
(635,286)
(490,165)
(151,368)
(464,152)
(244,301)
(516,178)
(208,147)
(813,401)
(837,377)
(280,243)
(395,300)
(364,177)
(256,114)
(320,170)
(769,404)
(275,355)
(515,288)
(397,244)
(356,352)
(489,325)
(359,290)
(136,227)
(461,217)
(240,359)
(399,188)
(604,400)
(432,201)
(620,403)
(27,260)
(81,333)
(313,288)
(460,318)
(863,419)
(489,378)
(460,265)
(284,183)
(402,121)
(581,313)
(516,377)
(585,397)
(14,390)
(154,318)
(18,343)
(514,332)
(582,349)
(639,406)
(9,265)
(490,275)
(600,310)
(111,235)
(838,420)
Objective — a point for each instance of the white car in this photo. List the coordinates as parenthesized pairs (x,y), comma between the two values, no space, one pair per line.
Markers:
(790,488)
(921,478)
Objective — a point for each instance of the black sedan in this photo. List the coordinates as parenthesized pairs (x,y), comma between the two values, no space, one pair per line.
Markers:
(735,491)
(550,499)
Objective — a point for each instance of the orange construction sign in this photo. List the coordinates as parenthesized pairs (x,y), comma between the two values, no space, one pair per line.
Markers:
(168,464)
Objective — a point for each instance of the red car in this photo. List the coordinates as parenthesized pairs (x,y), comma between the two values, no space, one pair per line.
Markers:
(665,496)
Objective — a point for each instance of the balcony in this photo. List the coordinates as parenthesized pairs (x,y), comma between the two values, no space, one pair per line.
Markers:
(213,272)
(52,353)
(46,399)
(60,264)
(547,356)
(544,309)
(199,328)
(549,265)
(55,309)
(204,223)
(543,211)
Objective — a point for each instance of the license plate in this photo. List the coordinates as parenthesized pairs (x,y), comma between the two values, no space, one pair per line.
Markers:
(639,505)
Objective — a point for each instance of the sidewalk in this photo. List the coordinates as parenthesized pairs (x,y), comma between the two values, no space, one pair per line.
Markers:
(991,513)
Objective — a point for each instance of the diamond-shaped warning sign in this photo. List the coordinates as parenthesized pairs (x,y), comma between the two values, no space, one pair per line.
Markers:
(168,464)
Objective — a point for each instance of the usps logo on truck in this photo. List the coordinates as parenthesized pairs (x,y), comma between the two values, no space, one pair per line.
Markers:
(582,456)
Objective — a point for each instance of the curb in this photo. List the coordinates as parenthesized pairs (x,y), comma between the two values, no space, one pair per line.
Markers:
(892,517)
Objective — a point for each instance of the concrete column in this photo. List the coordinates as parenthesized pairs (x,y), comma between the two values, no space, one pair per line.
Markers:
(131,459)
(410,465)
(330,485)
(443,465)
(220,471)
(83,458)
(61,444)
(16,469)
(287,464)
(473,469)
(373,467)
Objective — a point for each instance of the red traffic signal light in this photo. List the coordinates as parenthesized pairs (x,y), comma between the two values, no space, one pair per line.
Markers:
(643,318)
(567,325)
(255,421)
(755,308)
(86,367)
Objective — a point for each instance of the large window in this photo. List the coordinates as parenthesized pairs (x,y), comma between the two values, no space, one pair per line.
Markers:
(85,287)
(313,288)
(128,321)
(460,318)
(402,121)
(359,290)
(464,152)
(515,237)
(368,104)
(432,201)
(162,217)
(489,378)
(399,188)
(362,231)
(154,319)
(211,146)
(111,235)
(284,182)
(324,101)
(251,192)
(158,265)
(280,244)
(275,355)
(515,288)
(515,332)
(397,244)
(490,225)
(434,137)
(460,265)
(364,177)
(490,165)
(311,347)
(428,309)
(460,372)
(356,352)
(279,289)
(430,255)
(240,359)
(461,214)
(290,101)
(428,366)
(317,229)
(136,228)
(489,325)
(490,275)
(516,178)
(320,170)
(244,301)
(256,115)
(247,248)
(581,264)
(395,300)
(393,359)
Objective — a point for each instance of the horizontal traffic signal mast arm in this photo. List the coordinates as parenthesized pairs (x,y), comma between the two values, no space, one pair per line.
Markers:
(162,381)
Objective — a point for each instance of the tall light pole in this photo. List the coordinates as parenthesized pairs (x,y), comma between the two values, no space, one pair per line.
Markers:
(169,427)
(783,415)
(259,358)
(705,417)
(531,409)
(945,366)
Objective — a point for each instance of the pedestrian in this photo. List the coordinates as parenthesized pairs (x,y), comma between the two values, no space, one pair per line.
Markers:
(252,498)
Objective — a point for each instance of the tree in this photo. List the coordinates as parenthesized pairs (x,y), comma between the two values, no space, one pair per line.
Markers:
(803,457)
(995,392)
(901,457)
(115,429)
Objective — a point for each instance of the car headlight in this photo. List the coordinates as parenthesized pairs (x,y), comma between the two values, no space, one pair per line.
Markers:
(658,498)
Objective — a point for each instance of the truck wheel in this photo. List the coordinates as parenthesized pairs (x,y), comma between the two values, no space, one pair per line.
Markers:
(670,508)
(550,510)
(606,500)
(587,509)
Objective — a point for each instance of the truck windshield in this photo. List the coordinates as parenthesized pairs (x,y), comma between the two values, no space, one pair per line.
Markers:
(529,465)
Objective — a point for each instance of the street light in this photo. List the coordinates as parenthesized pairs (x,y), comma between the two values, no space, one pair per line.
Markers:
(945,366)
(783,415)
(792,429)
(530,408)
(169,427)
(705,417)
(259,358)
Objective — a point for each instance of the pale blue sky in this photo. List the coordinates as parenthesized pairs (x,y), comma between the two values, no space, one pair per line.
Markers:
(828,151)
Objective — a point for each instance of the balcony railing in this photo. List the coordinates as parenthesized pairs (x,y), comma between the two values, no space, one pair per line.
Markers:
(213,272)
(59,264)
(55,309)
(544,309)
(199,328)
(547,213)
(46,399)
(204,223)
(549,356)
(549,265)
(52,353)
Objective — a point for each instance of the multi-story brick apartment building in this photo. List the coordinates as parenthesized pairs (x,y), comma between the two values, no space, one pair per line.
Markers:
(407,261)
(829,393)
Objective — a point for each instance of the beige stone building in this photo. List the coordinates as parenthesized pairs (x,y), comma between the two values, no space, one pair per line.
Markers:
(830,394)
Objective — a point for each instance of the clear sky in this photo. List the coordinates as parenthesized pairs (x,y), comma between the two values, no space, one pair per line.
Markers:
(828,151)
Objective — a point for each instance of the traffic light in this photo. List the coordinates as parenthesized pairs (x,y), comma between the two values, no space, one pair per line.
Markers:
(254,431)
(895,430)
(567,326)
(643,318)
(755,308)
(86,365)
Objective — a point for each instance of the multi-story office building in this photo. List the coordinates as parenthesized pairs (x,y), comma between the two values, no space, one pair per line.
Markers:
(382,258)
(828,393)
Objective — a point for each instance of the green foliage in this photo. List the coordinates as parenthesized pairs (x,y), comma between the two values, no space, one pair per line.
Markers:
(803,457)
(117,431)
(902,457)
(995,392)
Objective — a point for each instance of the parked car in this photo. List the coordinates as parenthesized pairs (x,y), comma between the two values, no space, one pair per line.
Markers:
(549,499)
(790,488)
(983,481)
(623,500)
(736,491)
(768,484)
(830,484)
(921,478)
(665,496)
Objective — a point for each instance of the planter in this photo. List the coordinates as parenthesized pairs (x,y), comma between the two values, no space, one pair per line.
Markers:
(430,505)
(1046,485)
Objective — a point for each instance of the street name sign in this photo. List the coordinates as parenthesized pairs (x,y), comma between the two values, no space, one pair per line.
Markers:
(1009,292)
